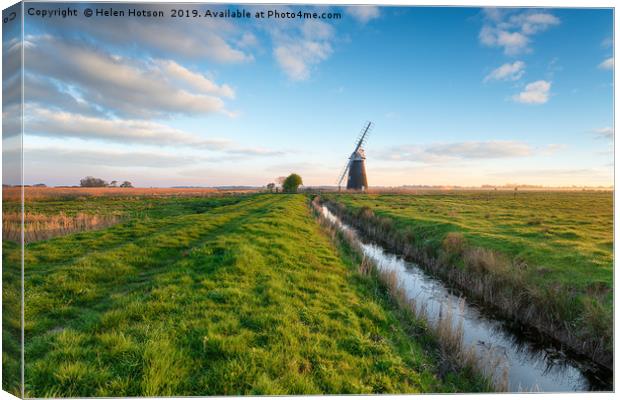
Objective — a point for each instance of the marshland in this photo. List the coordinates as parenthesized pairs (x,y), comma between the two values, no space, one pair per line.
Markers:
(253,293)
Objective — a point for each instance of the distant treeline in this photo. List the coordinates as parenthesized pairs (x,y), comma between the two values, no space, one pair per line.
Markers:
(91,181)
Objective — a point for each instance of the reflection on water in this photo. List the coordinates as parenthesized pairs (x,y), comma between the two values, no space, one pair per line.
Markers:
(530,361)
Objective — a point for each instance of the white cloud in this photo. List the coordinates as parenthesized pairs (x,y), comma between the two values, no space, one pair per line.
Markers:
(194,80)
(296,54)
(253,151)
(607,64)
(199,44)
(247,40)
(46,93)
(534,93)
(11,121)
(77,90)
(443,152)
(317,30)
(50,156)
(493,14)
(512,31)
(533,22)
(487,36)
(12,90)
(605,133)
(11,72)
(512,42)
(52,123)
(11,57)
(490,149)
(125,86)
(363,13)
(218,40)
(290,61)
(296,58)
(508,72)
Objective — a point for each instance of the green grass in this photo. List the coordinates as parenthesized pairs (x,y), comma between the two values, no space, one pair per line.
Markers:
(11,317)
(560,242)
(134,206)
(215,296)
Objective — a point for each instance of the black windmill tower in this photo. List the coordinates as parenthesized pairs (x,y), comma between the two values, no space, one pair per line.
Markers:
(356,166)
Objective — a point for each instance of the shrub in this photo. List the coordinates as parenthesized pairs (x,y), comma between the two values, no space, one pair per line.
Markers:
(91,181)
(291,183)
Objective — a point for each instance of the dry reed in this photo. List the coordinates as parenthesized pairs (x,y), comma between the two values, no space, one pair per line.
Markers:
(44,193)
(46,226)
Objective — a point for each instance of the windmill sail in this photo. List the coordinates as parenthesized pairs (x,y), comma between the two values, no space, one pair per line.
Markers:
(356,166)
(344,172)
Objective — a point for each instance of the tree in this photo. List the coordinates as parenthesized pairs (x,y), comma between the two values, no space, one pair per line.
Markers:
(270,187)
(126,184)
(91,181)
(113,183)
(280,180)
(291,183)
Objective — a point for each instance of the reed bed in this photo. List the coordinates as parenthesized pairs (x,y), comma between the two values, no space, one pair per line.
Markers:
(46,226)
(45,193)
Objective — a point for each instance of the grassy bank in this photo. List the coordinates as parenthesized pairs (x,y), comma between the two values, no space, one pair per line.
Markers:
(544,258)
(246,297)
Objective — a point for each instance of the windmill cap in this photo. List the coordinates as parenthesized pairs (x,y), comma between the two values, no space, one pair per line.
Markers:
(359,154)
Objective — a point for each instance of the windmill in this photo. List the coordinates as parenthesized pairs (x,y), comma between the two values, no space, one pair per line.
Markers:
(356,166)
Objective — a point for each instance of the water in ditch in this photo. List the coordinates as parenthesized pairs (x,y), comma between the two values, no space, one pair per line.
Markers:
(529,361)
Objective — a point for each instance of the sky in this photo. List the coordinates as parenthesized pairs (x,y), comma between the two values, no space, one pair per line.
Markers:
(458,96)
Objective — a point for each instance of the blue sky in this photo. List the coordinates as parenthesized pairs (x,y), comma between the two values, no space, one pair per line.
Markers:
(459,96)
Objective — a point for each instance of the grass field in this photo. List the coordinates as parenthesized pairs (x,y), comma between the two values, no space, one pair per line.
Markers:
(556,246)
(206,296)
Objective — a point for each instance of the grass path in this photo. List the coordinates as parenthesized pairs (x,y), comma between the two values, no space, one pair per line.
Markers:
(244,298)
